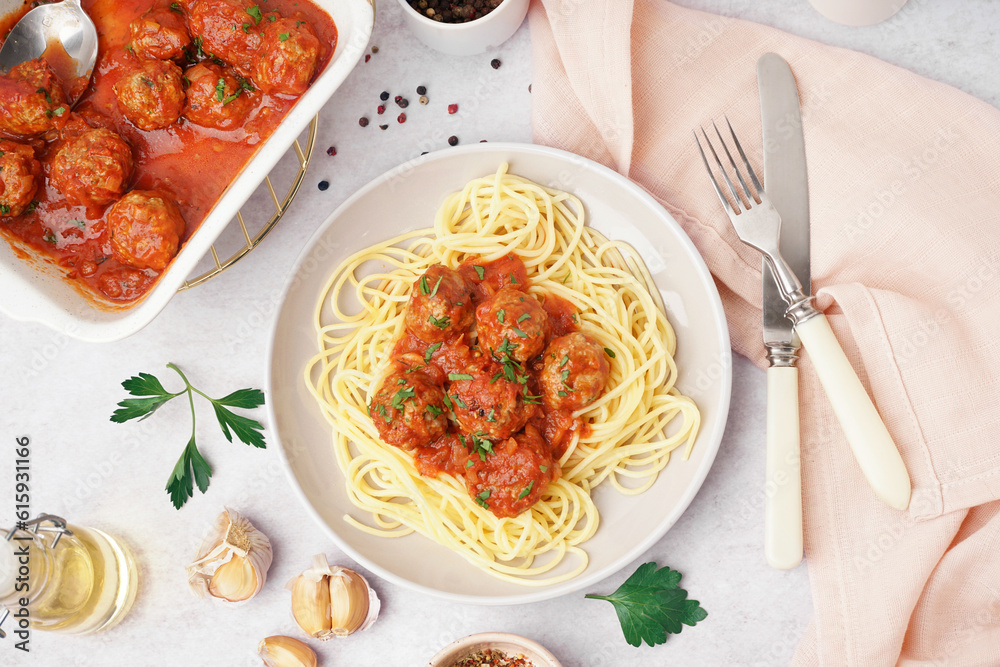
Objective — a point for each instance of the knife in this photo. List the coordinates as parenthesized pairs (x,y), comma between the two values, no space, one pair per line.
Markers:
(786,183)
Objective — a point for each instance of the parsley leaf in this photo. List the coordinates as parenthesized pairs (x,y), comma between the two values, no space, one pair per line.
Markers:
(480,271)
(650,605)
(430,351)
(526,490)
(610,352)
(439,323)
(455,377)
(255,13)
(191,469)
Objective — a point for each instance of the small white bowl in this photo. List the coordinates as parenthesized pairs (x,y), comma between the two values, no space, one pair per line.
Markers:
(471,37)
(512,645)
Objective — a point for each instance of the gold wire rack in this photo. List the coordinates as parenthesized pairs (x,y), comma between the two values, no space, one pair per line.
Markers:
(281,205)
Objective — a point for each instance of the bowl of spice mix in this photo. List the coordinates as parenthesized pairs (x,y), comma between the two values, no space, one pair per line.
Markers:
(494,649)
(463,27)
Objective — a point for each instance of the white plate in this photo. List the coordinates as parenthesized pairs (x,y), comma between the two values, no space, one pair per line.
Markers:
(35,290)
(406,198)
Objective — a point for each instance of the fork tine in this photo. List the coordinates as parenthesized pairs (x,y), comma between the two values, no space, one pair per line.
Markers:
(725,175)
(753,176)
(715,183)
(751,199)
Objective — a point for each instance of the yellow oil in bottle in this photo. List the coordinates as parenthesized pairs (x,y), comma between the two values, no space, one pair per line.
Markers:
(86,583)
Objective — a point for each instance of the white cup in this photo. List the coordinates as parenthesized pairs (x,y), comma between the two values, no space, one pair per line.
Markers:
(857,12)
(471,37)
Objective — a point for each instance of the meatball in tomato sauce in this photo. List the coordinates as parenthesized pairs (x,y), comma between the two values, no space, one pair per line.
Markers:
(151,95)
(288,56)
(440,305)
(514,324)
(92,168)
(227,29)
(145,228)
(408,409)
(575,371)
(514,477)
(486,402)
(160,34)
(20,176)
(32,103)
(224,105)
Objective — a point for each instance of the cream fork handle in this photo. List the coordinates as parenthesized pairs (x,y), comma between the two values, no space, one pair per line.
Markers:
(783,488)
(867,435)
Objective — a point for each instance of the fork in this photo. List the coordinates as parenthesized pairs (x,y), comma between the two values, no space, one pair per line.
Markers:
(758,225)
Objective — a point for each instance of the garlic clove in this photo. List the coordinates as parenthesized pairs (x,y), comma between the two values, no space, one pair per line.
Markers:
(332,601)
(232,563)
(281,651)
(311,606)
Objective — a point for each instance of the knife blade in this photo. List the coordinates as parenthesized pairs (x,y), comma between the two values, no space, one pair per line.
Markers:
(786,183)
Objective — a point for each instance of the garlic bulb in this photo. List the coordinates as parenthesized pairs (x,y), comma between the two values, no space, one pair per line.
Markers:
(332,601)
(281,651)
(231,565)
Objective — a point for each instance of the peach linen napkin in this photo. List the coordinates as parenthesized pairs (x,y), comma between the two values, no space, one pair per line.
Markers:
(904,179)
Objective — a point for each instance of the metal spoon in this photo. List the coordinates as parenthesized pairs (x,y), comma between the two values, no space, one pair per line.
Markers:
(61,22)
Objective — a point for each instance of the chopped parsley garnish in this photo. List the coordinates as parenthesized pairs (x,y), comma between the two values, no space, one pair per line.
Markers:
(220,89)
(400,381)
(611,353)
(412,368)
(435,410)
(480,271)
(246,28)
(526,490)
(175,7)
(283,37)
(468,464)
(565,278)
(459,402)
(424,288)
(49,236)
(520,333)
(562,393)
(439,323)
(500,315)
(255,13)
(430,351)
(32,206)
(575,319)
(532,399)
(481,499)
(490,417)
(496,377)
(403,394)
(128,47)
(272,18)
(78,223)
(523,317)
(480,445)
(436,285)
(543,468)
(48,97)
(564,361)
(513,280)
(456,377)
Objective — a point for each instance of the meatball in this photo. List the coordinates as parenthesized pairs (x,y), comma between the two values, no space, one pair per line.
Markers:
(288,56)
(227,29)
(514,476)
(32,103)
(512,323)
(210,104)
(575,371)
(145,228)
(20,176)
(92,168)
(440,305)
(488,401)
(160,34)
(151,95)
(408,409)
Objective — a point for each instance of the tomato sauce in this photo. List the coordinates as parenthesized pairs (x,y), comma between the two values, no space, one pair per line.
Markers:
(194,164)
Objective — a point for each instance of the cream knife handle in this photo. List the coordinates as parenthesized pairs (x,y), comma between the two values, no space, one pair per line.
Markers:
(783,489)
(866,433)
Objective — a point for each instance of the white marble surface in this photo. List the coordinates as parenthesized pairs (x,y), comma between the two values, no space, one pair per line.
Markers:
(60,392)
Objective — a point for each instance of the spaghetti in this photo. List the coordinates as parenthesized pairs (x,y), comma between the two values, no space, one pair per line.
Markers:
(631,428)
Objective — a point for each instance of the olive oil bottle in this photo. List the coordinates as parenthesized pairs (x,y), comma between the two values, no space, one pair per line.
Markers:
(74,580)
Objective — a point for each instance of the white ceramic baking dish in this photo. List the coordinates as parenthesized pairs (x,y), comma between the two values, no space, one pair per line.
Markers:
(32,287)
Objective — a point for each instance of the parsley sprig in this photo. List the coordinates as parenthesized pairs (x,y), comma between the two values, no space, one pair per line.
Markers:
(191,469)
(651,605)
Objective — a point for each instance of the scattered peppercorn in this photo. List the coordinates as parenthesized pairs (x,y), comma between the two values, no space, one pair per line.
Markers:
(331,151)
(374,49)
(453,140)
(368,57)
(401,118)
(397,98)
(421,90)
(323,185)
(381,109)
(482,141)
(529,87)
(424,153)
(363,121)
(452,108)
(383,127)
(384,96)
(403,102)
(423,99)
(495,63)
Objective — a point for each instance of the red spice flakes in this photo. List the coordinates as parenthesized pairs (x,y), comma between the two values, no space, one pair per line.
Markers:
(401,118)
(381,109)
(368,57)
(493,658)
(331,151)
(452,108)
